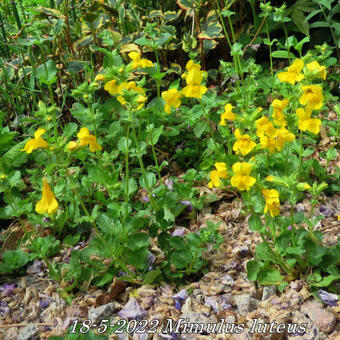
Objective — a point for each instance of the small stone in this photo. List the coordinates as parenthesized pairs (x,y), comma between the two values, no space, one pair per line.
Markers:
(195,317)
(227,280)
(322,319)
(245,304)
(28,332)
(268,291)
(101,312)
(242,251)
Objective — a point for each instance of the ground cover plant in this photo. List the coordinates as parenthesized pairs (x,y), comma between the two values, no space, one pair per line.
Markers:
(121,120)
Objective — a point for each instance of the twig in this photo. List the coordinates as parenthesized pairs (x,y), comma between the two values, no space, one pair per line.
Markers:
(26,324)
(255,36)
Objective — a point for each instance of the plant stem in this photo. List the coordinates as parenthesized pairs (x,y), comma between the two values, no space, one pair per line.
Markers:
(127,173)
(154,153)
(141,163)
(270,49)
(287,42)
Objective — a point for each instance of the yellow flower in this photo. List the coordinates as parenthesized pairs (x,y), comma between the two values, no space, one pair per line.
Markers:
(312,96)
(338,217)
(121,99)
(269,178)
(227,114)
(241,180)
(85,138)
(283,136)
(293,74)
(278,116)
(112,87)
(306,123)
(131,85)
(193,78)
(172,98)
(272,201)
(216,175)
(72,145)
(194,91)
(35,143)
(99,77)
(3,176)
(316,69)
(265,126)
(244,144)
(48,203)
(141,100)
(138,62)
(268,143)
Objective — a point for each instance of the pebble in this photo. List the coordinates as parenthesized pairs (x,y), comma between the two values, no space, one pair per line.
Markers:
(101,312)
(322,319)
(268,291)
(28,332)
(245,304)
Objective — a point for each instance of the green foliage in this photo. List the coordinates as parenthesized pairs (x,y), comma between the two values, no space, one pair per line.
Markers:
(123,164)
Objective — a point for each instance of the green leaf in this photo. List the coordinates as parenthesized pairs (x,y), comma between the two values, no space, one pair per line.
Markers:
(124,144)
(46,73)
(155,134)
(307,152)
(168,215)
(181,258)
(45,246)
(151,276)
(269,276)
(200,128)
(69,129)
(13,260)
(319,24)
(283,54)
(150,178)
(140,240)
(71,240)
(177,242)
(137,257)
(253,269)
(325,282)
(255,223)
(144,41)
(185,4)
(265,253)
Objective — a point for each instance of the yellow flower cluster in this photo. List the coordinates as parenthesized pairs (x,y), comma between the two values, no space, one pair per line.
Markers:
(194,88)
(271,138)
(312,96)
(114,88)
(194,78)
(273,134)
(137,61)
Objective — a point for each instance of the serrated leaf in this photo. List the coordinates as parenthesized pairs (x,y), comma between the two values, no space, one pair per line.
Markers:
(181,258)
(269,276)
(253,269)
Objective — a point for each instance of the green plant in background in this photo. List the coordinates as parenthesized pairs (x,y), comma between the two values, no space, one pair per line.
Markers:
(97,123)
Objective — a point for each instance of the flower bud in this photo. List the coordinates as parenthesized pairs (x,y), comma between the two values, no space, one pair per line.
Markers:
(303,186)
